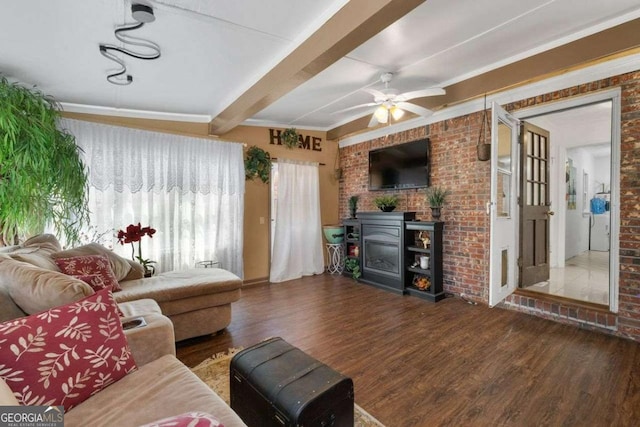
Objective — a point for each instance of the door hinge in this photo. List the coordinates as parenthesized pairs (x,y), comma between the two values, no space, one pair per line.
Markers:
(520,262)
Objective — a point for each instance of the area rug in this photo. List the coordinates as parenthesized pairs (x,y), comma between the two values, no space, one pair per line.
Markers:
(215,372)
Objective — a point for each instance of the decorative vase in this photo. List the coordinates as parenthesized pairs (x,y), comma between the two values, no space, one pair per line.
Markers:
(435,213)
(333,233)
(424,262)
(388,209)
(149,270)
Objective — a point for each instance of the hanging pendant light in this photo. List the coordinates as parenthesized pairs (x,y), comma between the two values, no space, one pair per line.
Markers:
(146,49)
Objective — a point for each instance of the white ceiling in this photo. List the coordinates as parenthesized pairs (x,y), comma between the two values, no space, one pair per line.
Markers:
(588,127)
(212,52)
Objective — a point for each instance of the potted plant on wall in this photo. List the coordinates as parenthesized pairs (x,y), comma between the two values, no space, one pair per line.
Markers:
(386,203)
(290,138)
(353,205)
(257,164)
(42,177)
(436,196)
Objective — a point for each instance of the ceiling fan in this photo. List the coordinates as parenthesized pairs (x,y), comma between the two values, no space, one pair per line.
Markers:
(388,102)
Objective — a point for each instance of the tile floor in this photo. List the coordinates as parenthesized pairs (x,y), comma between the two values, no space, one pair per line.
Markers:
(584,277)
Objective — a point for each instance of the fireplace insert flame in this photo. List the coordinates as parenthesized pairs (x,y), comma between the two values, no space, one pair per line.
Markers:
(382,251)
(382,256)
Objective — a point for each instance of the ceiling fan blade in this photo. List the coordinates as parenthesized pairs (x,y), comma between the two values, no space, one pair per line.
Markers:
(355,107)
(416,109)
(376,93)
(373,122)
(420,93)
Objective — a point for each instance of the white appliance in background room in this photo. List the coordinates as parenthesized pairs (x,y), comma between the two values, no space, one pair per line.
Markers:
(599,228)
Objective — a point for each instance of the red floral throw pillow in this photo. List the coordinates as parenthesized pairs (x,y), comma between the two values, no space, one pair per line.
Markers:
(190,419)
(92,269)
(66,354)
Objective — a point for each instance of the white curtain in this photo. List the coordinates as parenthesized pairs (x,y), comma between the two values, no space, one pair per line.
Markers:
(297,243)
(191,190)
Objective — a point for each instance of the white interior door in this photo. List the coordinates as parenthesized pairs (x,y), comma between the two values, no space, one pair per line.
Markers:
(503,205)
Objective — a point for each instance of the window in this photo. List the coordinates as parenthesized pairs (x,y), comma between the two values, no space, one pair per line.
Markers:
(191,190)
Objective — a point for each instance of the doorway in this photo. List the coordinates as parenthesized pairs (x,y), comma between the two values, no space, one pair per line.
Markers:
(578,192)
(580,240)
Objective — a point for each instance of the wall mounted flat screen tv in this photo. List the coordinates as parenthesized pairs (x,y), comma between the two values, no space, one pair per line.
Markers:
(400,166)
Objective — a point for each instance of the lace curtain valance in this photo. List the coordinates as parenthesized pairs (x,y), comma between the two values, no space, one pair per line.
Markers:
(157,162)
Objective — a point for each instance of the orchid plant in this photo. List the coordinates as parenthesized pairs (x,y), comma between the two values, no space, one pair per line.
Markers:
(135,233)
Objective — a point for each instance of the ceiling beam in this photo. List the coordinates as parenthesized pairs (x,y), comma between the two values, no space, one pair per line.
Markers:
(579,53)
(355,23)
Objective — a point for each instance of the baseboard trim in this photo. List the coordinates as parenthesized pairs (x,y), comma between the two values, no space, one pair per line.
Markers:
(255,282)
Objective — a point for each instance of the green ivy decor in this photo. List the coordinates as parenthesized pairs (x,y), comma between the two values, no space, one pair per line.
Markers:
(42,177)
(290,138)
(257,163)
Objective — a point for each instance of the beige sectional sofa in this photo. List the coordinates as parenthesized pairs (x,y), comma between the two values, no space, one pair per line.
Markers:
(198,301)
(161,387)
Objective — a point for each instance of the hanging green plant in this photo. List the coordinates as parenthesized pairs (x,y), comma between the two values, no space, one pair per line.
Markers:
(42,177)
(257,163)
(290,138)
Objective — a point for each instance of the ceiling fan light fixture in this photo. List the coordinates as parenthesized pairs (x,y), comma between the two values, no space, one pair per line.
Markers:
(382,114)
(396,112)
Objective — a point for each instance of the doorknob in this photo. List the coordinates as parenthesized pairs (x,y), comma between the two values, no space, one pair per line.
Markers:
(550,213)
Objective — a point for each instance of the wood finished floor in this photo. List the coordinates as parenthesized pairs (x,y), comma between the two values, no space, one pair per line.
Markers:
(415,363)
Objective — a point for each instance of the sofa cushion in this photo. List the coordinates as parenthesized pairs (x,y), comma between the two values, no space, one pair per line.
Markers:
(151,341)
(190,419)
(120,266)
(139,307)
(35,289)
(7,249)
(37,251)
(159,389)
(64,355)
(174,285)
(136,272)
(6,395)
(45,241)
(92,269)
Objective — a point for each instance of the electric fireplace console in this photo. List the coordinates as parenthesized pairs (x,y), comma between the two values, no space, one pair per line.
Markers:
(396,253)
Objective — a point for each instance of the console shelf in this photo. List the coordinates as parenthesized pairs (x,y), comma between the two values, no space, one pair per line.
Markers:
(417,233)
(352,244)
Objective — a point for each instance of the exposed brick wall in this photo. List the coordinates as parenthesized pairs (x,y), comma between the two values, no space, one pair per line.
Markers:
(629,300)
(455,166)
